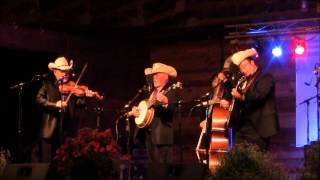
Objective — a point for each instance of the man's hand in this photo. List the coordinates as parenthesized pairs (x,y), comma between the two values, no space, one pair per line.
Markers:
(203,123)
(237,95)
(89,93)
(61,104)
(162,98)
(224,103)
(221,76)
(134,112)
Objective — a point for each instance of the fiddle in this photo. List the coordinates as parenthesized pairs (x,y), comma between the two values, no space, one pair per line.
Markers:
(71,87)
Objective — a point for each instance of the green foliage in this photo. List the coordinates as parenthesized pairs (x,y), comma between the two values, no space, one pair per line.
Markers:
(246,161)
(312,162)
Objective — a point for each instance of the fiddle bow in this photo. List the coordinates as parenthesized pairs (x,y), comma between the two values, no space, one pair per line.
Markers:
(99,97)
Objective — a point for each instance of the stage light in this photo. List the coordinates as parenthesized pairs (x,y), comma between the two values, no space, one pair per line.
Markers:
(299,50)
(277,51)
(299,45)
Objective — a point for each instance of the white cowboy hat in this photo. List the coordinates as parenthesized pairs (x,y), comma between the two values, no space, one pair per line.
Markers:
(163,68)
(227,63)
(60,63)
(238,57)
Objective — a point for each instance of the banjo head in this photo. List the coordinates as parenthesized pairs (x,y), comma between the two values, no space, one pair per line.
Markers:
(143,108)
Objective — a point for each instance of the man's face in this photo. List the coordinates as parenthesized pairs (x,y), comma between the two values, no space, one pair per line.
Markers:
(217,79)
(160,79)
(61,74)
(214,82)
(247,67)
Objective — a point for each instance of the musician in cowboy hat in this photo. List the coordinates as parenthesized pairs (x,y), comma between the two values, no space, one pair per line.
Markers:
(54,108)
(258,120)
(158,136)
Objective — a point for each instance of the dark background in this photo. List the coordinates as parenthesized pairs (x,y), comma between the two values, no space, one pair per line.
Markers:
(19,66)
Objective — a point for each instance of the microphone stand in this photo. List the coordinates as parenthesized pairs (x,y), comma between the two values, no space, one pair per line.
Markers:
(179,130)
(208,134)
(134,98)
(307,101)
(318,104)
(317,73)
(124,112)
(98,111)
(20,87)
(127,128)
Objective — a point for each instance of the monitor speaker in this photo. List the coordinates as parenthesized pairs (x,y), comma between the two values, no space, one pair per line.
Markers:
(191,171)
(26,171)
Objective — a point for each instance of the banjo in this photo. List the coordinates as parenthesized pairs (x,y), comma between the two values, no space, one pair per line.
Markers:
(147,111)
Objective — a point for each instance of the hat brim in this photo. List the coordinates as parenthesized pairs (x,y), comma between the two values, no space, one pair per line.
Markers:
(240,56)
(171,73)
(147,71)
(163,68)
(53,66)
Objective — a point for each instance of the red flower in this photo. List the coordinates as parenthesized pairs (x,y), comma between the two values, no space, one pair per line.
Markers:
(65,157)
(94,145)
(84,149)
(125,157)
(102,149)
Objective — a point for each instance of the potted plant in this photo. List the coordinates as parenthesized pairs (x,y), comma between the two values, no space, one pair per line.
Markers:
(92,154)
(5,158)
(246,161)
(311,161)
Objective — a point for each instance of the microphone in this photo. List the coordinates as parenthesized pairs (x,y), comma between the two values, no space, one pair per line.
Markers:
(61,80)
(73,74)
(143,89)
(310,82)
(203,97)
(206,95)
(206,103)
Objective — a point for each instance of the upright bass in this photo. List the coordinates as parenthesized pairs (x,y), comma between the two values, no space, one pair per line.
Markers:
(220,140)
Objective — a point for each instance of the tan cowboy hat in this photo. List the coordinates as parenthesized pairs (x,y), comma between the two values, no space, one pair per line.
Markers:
(60,63)
(239,56)
(147,71)
(163,68)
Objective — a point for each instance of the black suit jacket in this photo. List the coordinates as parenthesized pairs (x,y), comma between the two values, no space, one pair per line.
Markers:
(47,97)
(259,107)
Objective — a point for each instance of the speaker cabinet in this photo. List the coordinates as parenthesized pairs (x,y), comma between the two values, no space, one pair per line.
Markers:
(27,171)
(194,171)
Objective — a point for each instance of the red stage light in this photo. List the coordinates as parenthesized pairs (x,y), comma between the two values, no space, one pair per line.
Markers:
(299,50)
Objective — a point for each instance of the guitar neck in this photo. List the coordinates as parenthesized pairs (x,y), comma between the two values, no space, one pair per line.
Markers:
(153,99)
(164,92)
(241,80)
